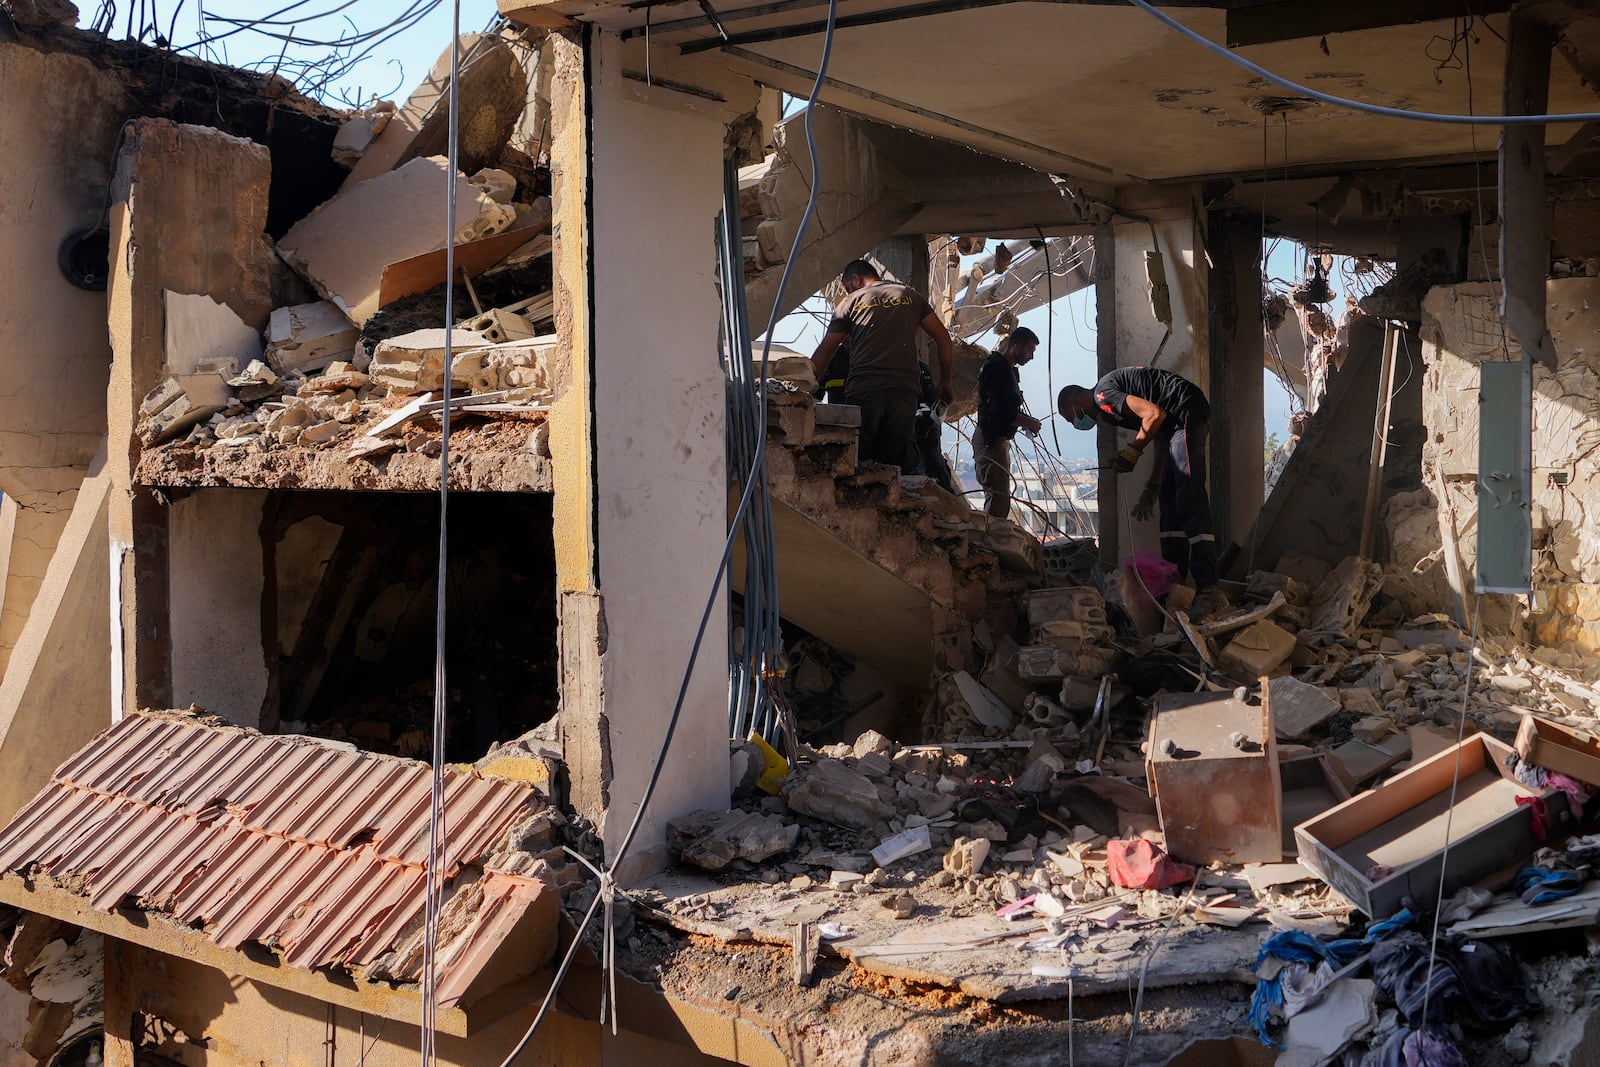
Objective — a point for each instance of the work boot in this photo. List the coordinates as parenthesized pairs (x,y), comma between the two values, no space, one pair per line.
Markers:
(1208,602)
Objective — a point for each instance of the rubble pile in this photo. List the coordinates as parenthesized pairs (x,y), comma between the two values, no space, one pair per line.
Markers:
(319,373)
(1038,825)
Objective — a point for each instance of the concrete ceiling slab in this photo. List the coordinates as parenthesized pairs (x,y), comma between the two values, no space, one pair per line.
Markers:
(1106,92)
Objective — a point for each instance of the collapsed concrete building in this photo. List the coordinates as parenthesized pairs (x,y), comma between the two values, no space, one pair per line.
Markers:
(223,336)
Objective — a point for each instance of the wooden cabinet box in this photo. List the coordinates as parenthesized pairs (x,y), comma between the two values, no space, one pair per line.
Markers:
(1218,803)
(1559,748)
(1382,847)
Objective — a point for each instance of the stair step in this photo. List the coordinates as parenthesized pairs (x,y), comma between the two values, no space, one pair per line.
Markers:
(839,415)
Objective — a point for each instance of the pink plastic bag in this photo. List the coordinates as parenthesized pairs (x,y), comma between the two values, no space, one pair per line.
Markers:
(1141,864)
(1157,574)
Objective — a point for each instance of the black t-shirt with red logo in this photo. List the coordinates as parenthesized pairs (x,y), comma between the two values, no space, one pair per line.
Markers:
(1180,398)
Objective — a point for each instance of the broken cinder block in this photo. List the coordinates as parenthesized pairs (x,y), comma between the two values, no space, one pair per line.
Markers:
(414,362)
(308,337)
(180,403)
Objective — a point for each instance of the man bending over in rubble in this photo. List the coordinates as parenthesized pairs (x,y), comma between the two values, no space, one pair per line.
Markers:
(881,319)
(1159,404)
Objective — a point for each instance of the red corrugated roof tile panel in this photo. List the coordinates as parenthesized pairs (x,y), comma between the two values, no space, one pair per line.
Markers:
(311,848)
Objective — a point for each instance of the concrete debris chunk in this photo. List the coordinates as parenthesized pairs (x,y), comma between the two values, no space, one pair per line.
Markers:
(308,337)
(906,843)
(256,382)
(711,840)
(1299,708)
(966,856)
(179,403)
(342,247)
(358,132)
(496,184)
(203,334)
(498,325)
(832,792)
(414,362)
(989,709)
(1018,550)
(1075,603)
(1258,649)
(1342,599)
(522,369)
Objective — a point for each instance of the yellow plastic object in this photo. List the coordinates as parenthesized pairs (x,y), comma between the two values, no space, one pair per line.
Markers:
(774,767)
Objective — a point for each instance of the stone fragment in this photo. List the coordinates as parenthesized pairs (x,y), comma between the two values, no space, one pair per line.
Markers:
(873,741)
(308,337)
(1342,599)
(874,765)
(711,840)
(1258,649)
(358,132)
(342,247)
(900,905)
(179,403)
(966,857)
(830,791)
(1298,708)
(414,362)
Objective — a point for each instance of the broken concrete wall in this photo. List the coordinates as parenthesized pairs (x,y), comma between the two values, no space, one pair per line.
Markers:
(1461,329)
(170,231)
(216,580)
(638,435)
(56,158)
(1317,502)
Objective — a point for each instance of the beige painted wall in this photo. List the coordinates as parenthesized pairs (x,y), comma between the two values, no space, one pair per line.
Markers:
(54,354)
(58,695)
(215,588)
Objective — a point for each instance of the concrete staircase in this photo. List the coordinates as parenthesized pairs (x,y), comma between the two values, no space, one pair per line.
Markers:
(863,201)
(887,571)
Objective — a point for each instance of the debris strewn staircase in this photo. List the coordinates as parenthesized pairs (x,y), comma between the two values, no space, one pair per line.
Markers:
(879,566)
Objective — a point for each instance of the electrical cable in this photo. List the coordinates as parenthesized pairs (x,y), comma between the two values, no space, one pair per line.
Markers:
(1450,811)
(1358,105)
(434,870)
(1050,332)
(607,883)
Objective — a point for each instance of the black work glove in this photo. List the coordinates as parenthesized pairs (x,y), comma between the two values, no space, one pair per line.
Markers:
(1147,502)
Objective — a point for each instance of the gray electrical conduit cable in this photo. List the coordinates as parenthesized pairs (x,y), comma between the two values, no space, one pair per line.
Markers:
(734,530)
(1357,105)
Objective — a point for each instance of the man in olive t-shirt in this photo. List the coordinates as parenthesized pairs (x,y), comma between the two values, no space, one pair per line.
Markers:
(881,319)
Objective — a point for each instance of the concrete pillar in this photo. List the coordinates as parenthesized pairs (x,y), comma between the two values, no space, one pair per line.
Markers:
(169,231)
(1166,221)
(637,433)
(1236,388)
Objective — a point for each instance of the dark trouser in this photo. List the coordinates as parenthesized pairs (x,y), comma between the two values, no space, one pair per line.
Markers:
(1187,540)
(887,416)
(930,457)
(992,460)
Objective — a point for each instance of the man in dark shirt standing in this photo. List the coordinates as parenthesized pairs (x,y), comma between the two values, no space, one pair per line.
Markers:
(881,319)
(1159,404)
(1000,416)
